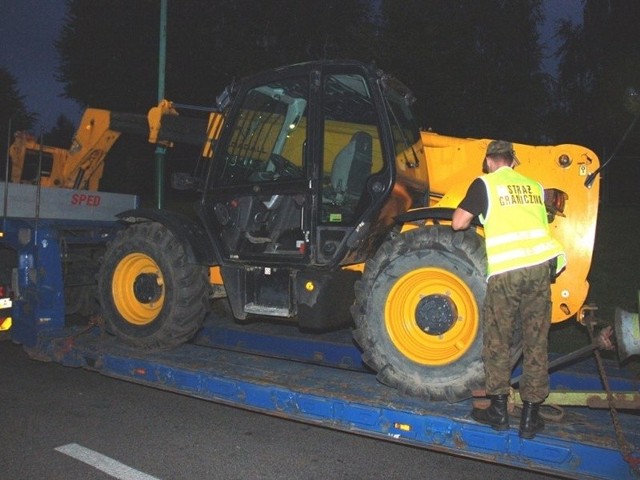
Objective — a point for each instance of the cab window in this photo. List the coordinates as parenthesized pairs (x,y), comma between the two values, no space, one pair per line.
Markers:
(267,142)
(351,147)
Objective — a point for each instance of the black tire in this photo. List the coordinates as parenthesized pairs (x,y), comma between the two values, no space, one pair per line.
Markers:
(429,278)
(79,277)
(81,300)
(151,296)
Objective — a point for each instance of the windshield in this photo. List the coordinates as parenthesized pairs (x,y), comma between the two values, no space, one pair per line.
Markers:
(269,135)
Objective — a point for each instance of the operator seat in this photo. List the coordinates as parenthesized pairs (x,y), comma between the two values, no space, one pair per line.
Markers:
(351,168)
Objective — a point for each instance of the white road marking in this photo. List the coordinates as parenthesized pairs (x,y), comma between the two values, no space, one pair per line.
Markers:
(103,463)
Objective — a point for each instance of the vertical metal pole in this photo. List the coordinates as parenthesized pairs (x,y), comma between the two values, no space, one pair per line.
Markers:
(6,176)
(161,150)
(38,186)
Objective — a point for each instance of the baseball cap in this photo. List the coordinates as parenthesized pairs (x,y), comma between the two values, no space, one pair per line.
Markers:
(497,147)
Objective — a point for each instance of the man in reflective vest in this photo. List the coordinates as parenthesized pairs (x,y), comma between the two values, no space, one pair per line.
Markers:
(522,258)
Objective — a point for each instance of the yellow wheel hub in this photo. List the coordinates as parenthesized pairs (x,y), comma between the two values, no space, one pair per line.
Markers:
(431,316)
(138,289)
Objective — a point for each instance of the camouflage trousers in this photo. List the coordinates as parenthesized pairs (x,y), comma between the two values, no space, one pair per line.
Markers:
(520,299)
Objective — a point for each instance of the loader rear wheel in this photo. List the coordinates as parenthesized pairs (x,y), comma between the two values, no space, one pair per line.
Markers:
(418,313)
(151,296)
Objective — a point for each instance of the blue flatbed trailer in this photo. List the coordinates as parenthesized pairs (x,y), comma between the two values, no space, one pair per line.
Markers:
(317,379)
(336,392)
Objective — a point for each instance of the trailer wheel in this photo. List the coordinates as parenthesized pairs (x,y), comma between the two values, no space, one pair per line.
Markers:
(81,300)
(151,297)
(418,313)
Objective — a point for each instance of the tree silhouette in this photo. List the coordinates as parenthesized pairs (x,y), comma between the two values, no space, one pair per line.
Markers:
(108,54)
(599,61)
(473,64)
(109,49)
(61,134)
(13,112)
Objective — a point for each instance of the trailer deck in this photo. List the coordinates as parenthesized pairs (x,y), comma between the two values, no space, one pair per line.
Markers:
(318,382)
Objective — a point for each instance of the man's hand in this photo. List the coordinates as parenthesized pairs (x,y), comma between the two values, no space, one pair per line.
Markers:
(461,219)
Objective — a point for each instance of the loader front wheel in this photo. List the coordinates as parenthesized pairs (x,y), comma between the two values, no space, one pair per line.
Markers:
(151,296)
(418,313)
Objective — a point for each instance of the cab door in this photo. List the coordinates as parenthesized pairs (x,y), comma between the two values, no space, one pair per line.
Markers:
(259,196)
(354,177)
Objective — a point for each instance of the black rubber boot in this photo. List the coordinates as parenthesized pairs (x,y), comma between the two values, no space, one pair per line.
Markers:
(496,415)
(530,422)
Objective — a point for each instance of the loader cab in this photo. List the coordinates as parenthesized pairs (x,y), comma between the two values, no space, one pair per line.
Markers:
(304,165)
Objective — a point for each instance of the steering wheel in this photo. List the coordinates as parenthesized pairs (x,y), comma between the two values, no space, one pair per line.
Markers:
(285,168)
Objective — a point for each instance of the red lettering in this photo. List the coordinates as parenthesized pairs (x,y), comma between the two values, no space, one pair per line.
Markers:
(83,199)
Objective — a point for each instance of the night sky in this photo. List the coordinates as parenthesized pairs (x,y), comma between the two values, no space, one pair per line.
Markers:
(28,29)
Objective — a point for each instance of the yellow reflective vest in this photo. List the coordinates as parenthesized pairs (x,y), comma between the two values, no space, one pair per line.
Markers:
(516,227)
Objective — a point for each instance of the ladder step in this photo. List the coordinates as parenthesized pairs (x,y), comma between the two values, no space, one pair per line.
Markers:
(267,310)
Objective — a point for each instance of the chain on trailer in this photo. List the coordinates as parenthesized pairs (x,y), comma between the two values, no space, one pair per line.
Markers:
(629,453)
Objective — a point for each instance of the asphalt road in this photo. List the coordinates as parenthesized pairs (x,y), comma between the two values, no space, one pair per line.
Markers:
(50,415)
